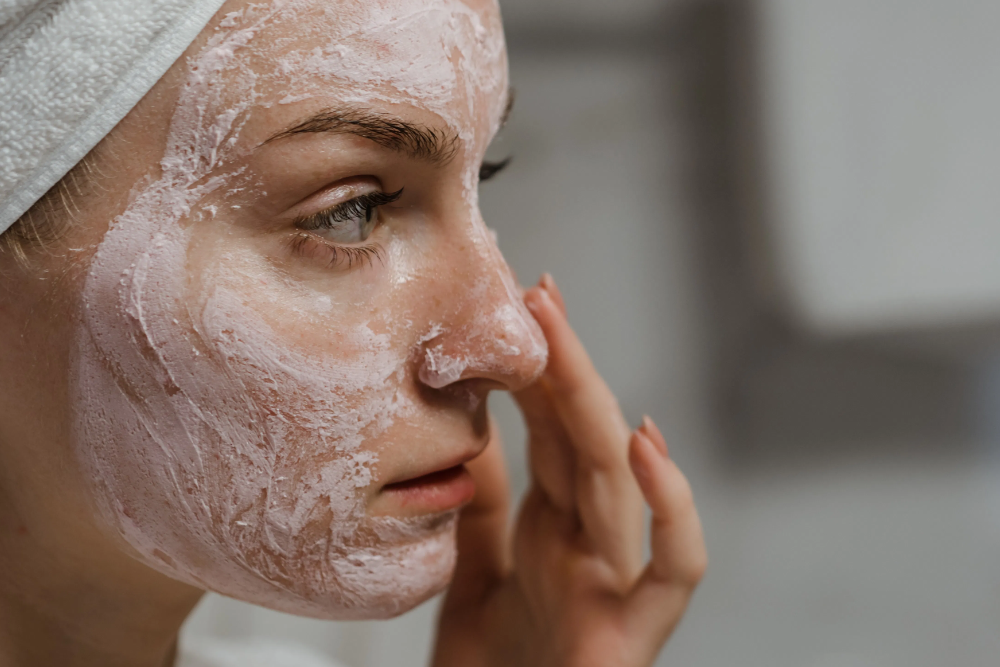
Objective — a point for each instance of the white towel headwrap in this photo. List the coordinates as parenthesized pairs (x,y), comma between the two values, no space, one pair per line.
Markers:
(70,70)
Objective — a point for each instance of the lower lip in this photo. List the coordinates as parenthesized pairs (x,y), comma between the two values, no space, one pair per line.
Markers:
(436,492)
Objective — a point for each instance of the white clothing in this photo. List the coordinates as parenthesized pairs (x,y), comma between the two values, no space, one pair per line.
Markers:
(253,653)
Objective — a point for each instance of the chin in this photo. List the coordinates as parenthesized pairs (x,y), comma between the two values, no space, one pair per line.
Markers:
(408,562)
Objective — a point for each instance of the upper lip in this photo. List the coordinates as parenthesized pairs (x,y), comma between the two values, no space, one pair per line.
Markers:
(457,460)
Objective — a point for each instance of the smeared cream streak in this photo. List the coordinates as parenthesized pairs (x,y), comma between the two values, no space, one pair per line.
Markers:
(225,456)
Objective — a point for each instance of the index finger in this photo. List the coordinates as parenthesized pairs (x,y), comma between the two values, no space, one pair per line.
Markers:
(607,497)
(589,411)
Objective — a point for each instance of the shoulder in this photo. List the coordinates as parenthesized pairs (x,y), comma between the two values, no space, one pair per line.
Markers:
(252,653)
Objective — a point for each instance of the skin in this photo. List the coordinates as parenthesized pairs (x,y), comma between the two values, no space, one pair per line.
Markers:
(565,586)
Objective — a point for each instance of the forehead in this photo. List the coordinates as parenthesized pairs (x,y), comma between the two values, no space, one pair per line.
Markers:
(446,57)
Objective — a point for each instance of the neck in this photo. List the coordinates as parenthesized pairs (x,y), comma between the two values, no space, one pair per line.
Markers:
(70,600)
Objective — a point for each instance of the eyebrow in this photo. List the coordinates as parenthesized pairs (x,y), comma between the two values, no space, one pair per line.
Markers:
(412,139)
(418,141)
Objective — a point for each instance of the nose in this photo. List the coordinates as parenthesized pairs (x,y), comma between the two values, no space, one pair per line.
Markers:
(489,334)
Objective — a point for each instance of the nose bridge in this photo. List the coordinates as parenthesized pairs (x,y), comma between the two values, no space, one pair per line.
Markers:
(491,334)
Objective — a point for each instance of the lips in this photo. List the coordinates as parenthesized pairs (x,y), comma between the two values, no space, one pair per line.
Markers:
(436,491)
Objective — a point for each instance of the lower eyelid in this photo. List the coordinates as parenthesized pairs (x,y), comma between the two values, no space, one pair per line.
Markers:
(314,248)
(331,255)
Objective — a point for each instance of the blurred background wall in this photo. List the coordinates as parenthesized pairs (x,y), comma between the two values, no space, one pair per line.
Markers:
(777,227)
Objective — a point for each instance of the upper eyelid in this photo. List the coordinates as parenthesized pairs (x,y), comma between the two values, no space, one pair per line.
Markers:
(330,196)
(388,198)
(487,170)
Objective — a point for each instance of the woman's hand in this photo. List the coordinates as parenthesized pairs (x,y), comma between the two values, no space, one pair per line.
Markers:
(573,592)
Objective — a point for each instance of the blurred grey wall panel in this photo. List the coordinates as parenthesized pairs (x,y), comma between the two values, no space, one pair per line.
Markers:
(576,14)
(880,132)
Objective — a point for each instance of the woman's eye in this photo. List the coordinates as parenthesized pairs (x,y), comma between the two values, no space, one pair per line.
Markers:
(490,169)
(350,222)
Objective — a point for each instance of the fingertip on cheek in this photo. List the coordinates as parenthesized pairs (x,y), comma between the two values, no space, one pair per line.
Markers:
(534,298)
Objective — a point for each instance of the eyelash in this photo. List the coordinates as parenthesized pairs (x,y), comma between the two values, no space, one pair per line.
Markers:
(306,244)
(363,205)
(334,255)
(490,169)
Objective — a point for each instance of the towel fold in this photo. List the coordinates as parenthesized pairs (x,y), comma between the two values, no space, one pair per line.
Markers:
(70,70)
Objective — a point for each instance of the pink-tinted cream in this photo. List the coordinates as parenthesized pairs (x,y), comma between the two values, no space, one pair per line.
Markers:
(224,450)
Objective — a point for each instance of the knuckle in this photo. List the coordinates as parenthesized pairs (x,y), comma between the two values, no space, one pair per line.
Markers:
(698,569)
(603,460)
(563,374)
(573,391)
(691,573)
(682,498)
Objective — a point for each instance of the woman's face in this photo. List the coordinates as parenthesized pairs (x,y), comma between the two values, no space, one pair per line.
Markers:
(300,305)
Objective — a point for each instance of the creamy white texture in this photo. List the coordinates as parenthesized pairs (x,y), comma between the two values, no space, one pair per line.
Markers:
(225,453)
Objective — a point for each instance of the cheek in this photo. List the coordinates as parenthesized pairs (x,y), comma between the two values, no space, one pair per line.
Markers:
(228,456)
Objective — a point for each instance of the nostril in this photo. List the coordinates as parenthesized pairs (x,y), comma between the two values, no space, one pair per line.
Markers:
(440,369)
(469,393)
(504,345)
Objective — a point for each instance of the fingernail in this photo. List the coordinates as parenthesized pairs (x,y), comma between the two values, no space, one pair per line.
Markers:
(532,299)
(647,424)
(549,283)
(640,461)
(654,435)
(639,467)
